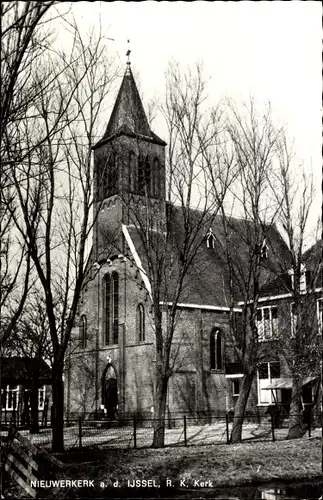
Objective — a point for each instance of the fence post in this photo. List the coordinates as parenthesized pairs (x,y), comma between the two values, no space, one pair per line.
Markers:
(185,433)
(80,432)
(227,428)
(134,432)
(272,426)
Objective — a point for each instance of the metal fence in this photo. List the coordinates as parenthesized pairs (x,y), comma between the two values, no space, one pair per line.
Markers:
(81,432)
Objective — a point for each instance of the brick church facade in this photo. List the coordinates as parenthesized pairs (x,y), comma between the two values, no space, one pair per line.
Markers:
(111,363)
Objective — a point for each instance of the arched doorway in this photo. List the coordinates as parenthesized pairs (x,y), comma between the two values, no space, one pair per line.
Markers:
(110,392)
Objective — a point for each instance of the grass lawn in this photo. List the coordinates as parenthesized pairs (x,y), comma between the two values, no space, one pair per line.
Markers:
(223,465)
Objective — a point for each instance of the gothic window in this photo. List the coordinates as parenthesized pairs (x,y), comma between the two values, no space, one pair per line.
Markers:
(216,350)
(141,176)
(115,308)
(83,332)
(155,177)
(111,309)
(112,174)
(210,239)
(103,181)
(140,323)
(107,309)
(132,170)
(148,176)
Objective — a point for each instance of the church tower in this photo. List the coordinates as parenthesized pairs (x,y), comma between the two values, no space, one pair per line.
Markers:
(129,167)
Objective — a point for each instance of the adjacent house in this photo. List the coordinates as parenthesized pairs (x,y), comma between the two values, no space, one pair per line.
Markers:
(19,376)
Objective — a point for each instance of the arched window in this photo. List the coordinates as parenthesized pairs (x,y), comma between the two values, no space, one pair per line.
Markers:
(210,239)
(216,349)
(140,323)
(155,178)
(111,309)
(107,309)
(115,307)
(83,332)
(148,176)
(132,170)
(140,176)
(112,174)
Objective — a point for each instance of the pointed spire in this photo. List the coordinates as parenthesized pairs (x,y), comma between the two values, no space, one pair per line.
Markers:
(128,115)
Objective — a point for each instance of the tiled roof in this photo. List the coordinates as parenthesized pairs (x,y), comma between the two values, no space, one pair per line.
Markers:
(128,116)
(207,280)
(281,284)
(21,369)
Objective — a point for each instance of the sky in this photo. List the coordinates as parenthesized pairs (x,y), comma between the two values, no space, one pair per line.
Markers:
(271,50)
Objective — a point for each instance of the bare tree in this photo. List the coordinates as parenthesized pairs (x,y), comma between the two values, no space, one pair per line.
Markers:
(299,341)
(54,188)
(24,39)
(252,146)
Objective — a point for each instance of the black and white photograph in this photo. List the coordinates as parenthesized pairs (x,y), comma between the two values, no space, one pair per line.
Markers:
(161,324)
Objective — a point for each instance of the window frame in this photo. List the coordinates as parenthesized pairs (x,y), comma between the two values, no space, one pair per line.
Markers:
(268,379)
(216,345)
(83,331)
(140,323)
(210,239)
(41,403)
(235,381)
(111,309)
(9,397)
(261,325)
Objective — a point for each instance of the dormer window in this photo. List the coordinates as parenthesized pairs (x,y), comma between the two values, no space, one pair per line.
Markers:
(264,250)
(305,278)
(210,239)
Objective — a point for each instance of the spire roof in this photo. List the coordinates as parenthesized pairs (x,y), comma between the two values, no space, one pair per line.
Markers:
(128,115)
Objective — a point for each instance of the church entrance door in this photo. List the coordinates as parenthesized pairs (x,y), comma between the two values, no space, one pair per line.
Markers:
(110,393)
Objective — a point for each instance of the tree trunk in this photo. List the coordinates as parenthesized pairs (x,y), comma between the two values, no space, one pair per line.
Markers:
(58,407)
(295,429)
(160,410)
(240,407)
(34,428)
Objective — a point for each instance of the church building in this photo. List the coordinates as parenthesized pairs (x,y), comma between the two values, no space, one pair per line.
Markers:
(112,359)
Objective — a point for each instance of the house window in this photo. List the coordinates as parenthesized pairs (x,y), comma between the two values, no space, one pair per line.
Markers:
(293,319)
(320,316)
(216,349)
(41,397)
(235,387)
(265,374)
(83,331)
(10,398)
(267,323)
(140,321)
(111,309)
(210,239)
